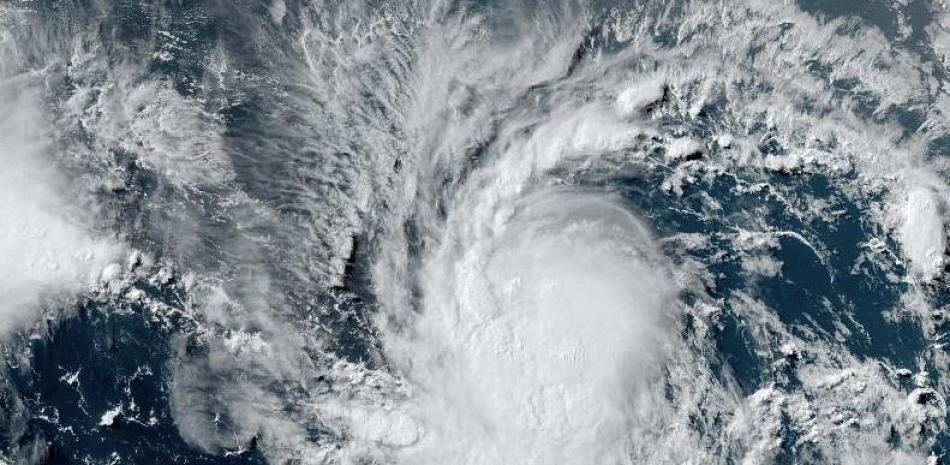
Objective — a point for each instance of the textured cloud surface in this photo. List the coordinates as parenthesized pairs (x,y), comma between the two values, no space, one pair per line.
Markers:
(480,233)
(46,243)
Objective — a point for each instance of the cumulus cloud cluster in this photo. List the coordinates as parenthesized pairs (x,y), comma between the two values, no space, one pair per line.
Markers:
(47,241)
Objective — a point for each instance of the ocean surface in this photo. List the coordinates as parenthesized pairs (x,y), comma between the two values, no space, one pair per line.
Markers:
(474,232)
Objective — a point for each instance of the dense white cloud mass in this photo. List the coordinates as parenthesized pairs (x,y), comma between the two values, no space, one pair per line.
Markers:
(530,233)
(923,232)
(538,333)
(528,319)
(47,245)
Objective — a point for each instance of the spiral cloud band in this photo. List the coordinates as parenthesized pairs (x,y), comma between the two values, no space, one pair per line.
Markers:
(431,232)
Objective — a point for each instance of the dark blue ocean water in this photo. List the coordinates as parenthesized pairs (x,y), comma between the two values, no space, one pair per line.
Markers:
(126,357)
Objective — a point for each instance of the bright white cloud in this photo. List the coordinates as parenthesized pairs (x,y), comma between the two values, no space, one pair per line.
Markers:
(46,247)
(922,231)
(535,341)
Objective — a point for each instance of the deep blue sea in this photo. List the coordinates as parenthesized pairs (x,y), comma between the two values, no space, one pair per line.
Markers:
(449,232)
